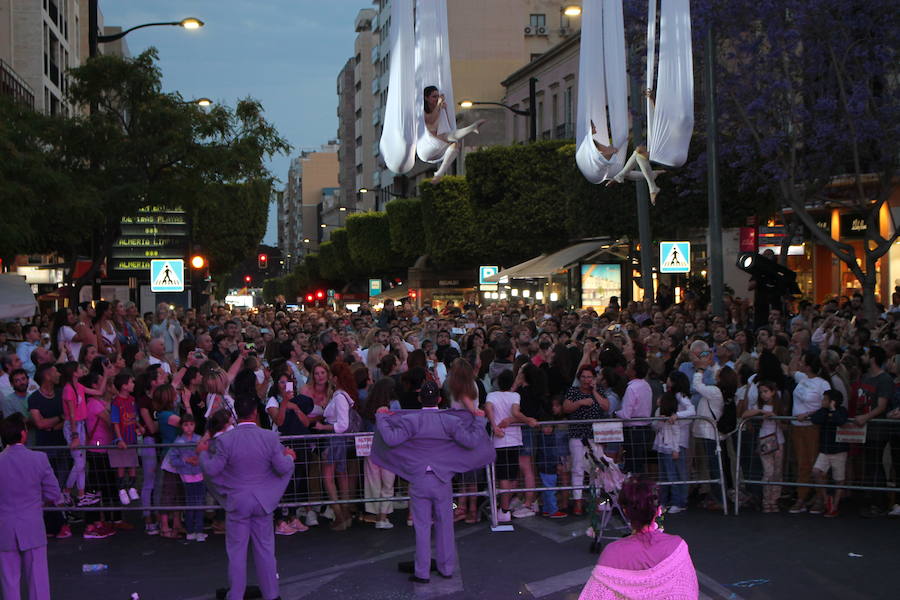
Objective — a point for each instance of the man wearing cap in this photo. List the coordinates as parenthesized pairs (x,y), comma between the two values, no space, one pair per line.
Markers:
(427,447)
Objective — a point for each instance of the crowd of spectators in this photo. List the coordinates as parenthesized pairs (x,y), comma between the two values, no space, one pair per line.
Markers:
(105,375)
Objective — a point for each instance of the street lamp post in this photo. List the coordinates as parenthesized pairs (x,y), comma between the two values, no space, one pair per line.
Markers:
(531,113)
(95,39)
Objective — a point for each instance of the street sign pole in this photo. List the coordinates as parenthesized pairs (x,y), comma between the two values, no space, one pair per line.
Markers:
(714,243)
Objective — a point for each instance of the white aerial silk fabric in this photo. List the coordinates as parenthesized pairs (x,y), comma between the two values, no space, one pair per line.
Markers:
(602,89)
(433,68)
(670,122)
(398,134)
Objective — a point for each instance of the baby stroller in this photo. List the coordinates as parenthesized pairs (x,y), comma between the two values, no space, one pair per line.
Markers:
(603,496)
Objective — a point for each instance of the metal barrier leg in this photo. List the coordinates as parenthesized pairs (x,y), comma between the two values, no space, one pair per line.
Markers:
(492,498)
(737,472)
(721,475)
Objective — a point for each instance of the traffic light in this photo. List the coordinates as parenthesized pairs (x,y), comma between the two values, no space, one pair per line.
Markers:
(262,261)
(309,298)
(413,294)
(247,279)
(198,261)
(320,294)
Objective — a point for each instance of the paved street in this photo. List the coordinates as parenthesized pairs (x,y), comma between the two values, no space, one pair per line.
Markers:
(780,556)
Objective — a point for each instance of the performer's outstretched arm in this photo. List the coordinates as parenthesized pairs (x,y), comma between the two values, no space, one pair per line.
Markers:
(394,431)
(470,432)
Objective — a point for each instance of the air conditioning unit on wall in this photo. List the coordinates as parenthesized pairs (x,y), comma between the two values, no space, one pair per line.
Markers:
(529,31)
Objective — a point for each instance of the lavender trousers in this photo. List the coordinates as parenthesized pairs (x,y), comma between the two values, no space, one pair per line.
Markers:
(37,579)
(431,501)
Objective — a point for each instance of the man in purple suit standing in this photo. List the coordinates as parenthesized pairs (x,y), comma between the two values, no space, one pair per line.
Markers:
(427,447)
(251,469)
(27,482)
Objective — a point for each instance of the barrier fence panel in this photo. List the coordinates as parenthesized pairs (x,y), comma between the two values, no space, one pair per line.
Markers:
(553,464)
(783,452)
(329,469)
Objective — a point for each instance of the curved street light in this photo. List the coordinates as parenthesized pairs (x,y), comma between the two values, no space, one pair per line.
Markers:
(189,23)
(531,113)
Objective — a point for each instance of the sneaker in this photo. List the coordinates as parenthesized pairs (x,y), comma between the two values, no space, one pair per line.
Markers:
(108,528)
(122,526)
(200,537)
(191,537)
(298,526)
(151,529)
(384,524)
(328,514)
(503,516)
(284,529)
(74,517)
(64,533)
(797,508)
(133,494)
(674,510)
(515,504)
(88,494)
(524,512)
(816,509)
(312,519)
(87,501)
(67,499)
(557,515)
(831,512)
(96,532)
(124,498)
(895,511)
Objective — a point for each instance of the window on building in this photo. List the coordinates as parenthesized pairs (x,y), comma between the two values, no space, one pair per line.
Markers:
(536,21)
(554,116)
(567,107)
(540,116)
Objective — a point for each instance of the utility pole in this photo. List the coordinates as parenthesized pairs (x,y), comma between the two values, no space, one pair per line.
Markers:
(642,197)
(714,239)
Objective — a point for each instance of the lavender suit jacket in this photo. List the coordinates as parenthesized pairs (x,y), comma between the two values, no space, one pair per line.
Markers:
(26,483)
(248,466)
(409,442)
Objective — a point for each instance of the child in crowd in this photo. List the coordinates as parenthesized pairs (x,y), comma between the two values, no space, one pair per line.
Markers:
(832,454)
(547,458)
(183,460)
(669,452)
(771,440)
(124,418)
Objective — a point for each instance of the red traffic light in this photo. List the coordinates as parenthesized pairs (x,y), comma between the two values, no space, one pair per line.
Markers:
(309,297)
(320,294)
(262,261)
(413,294)
(247,278)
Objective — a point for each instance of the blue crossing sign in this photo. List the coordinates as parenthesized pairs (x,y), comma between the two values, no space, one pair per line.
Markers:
(167,275)
(487,271)
(674,257)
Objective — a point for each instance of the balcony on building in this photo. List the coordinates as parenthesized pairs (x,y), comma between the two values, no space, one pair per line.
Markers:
(13,86)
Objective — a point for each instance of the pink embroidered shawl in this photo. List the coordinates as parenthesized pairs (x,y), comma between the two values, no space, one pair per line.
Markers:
(674,578)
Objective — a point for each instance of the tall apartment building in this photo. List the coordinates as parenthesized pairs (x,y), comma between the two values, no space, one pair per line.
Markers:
(346,135)
(301,206)
(488,41)
(39,41)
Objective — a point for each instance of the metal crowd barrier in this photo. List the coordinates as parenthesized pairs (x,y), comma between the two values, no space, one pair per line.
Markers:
(865,468)
(633,452)
(347,454)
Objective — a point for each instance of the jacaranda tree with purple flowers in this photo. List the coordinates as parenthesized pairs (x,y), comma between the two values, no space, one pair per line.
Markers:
(808,97)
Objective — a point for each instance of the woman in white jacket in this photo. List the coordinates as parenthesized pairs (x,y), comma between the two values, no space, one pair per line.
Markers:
(712,404)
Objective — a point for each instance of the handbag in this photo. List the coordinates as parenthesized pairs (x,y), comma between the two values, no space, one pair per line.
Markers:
(768,444)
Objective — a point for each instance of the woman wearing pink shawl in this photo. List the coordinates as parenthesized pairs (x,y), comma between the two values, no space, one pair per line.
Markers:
(648,564)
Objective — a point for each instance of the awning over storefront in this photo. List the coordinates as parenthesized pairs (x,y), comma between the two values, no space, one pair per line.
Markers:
(16,299)
(546,265)
(392,294)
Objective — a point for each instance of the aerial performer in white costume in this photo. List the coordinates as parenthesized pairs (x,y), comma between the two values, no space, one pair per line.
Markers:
(441,141)
(641,157)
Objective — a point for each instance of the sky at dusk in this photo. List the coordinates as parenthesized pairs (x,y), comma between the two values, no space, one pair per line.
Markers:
(285,53)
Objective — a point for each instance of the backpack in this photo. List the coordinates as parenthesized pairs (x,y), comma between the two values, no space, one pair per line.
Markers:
(355,423)
(727,421)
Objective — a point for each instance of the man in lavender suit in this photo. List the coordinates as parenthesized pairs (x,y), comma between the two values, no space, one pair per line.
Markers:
(251,469)
(427,447)
(26,483)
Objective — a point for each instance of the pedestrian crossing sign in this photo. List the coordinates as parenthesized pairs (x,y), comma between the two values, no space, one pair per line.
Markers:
(674,257)
(167,275)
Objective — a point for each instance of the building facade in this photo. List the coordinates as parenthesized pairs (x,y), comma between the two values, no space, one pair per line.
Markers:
(300,213)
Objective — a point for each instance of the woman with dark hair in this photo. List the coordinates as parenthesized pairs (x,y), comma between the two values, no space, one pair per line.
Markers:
(648,563)
(62,333)
(582,402)
(464,395)
(411,383)
(441,144)
(105,328)
(812,383)
(341,416)
(378,481)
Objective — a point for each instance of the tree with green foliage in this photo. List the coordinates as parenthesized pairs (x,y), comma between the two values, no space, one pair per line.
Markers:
(369,242)
(407,232)
(139,146)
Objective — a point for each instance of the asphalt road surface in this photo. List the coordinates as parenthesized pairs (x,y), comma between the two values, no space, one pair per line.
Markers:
(753,557)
